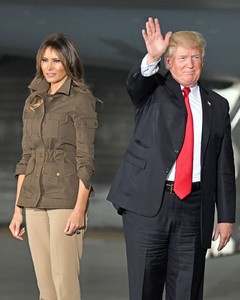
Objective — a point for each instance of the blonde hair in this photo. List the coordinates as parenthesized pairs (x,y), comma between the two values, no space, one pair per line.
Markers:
(35,102)
(186,39)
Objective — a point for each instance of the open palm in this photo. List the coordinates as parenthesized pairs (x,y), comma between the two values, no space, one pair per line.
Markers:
(156,44)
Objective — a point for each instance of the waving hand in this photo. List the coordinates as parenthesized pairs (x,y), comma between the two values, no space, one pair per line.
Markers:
(156,44)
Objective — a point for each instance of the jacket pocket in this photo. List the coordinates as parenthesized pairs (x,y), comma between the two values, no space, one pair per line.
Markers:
(59,171)
(86,128)
(133,172)
(60,180)
(53,122)
(89,123)
(138,162)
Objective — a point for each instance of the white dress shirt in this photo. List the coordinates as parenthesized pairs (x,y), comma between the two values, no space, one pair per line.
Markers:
(196,107)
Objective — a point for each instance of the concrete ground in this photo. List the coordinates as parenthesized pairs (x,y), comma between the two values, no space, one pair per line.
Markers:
(103,270)
(103,266)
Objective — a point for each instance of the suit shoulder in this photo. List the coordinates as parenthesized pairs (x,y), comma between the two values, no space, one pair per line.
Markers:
(217,98)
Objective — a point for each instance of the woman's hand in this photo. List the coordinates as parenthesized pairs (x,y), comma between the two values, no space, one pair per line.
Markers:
(156,44)
(15,225)
(75,222)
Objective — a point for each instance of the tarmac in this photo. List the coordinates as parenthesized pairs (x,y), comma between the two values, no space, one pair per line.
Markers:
(103,265)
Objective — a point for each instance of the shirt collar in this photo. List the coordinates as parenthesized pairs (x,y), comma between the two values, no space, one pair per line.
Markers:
(194,89)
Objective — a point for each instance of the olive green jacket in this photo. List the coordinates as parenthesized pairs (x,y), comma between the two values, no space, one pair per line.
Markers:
(58,146)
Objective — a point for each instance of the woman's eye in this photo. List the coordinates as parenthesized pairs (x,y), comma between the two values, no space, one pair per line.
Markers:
(56,60)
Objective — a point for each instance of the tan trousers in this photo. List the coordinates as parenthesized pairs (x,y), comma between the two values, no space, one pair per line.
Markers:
(56,256)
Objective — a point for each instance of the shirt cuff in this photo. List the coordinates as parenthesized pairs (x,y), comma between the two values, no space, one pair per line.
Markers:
(149,69)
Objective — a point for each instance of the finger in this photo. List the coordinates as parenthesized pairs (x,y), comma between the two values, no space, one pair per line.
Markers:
(223,242)
(20,234)
(22,231)
(151,23)
(144,34)
(157,25)
(167,36)
(16,229)
(148,29)
(215,236)
(71,229)
(68,232)
(221,245)
(67,227)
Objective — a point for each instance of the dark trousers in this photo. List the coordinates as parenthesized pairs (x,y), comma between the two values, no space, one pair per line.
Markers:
(165,250)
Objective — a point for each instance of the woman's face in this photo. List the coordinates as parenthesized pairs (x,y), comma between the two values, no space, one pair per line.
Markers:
(53,69)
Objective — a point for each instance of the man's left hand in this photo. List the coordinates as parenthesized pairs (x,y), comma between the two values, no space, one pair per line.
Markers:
(224,231)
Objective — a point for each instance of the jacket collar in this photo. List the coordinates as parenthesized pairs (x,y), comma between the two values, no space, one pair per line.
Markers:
(41,86)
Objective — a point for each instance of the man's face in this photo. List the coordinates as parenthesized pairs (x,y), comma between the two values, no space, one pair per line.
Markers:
(185,65)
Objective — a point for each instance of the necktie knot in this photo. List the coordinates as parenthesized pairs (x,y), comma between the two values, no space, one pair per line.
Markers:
(186,91)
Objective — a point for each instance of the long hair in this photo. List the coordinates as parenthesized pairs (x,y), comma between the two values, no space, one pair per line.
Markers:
(69,57)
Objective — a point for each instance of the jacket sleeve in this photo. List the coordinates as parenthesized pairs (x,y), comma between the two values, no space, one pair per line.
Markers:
(139,87)
(85,122)
(26,150)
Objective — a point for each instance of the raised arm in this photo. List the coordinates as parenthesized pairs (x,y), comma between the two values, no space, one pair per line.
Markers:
(156,44)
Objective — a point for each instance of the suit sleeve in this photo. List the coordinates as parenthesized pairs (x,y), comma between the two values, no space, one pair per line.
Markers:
(226,192)
(139,87)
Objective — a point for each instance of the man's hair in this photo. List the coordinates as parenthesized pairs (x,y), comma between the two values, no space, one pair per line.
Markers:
(186,39)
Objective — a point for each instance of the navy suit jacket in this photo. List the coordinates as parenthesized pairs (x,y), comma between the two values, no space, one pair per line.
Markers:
(156,142)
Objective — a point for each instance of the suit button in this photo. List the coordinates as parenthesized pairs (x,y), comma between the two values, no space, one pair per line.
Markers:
(176,151)
(167,170)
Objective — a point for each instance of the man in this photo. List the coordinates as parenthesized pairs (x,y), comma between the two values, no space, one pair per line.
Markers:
(178,166)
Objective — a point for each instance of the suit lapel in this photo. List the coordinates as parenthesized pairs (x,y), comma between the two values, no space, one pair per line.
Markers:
(178,123)
(207,120)
(175,89)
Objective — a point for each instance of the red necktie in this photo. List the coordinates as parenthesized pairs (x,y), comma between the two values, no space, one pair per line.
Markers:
(184,163)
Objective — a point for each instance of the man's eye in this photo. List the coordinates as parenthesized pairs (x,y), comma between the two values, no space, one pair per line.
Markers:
(196,57)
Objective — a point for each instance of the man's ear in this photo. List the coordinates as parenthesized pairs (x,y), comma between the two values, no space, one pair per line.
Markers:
(168,62)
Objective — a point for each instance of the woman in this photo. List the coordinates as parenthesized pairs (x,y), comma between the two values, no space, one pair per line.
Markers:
(56,169)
